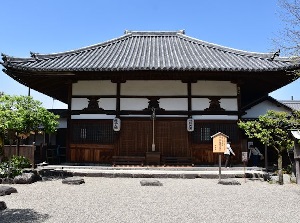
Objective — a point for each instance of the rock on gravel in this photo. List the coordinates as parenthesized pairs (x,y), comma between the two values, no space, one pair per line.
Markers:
(73,180)
(229,182)
(124,200)
(7,190)
(2,205)
(25,178)
(151,182)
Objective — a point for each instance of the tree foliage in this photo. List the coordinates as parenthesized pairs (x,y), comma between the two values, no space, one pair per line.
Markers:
(289,37)
(23,115)
(273,129)
(14,166)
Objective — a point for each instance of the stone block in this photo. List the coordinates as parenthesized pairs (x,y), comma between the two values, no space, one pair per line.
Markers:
(229,182)
(189,176)
(73,180)
(150,182)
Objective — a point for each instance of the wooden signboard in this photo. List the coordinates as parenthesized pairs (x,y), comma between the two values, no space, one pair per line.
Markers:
(244,156)
(219,142)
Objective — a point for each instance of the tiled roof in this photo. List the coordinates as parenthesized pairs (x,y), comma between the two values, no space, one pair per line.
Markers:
(268,98)
(152,51)
(293,104)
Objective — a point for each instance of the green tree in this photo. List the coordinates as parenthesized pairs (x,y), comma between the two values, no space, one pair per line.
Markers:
(22,115)
(273,129)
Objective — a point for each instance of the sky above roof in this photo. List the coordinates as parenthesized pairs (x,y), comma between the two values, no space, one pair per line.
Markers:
(53,26)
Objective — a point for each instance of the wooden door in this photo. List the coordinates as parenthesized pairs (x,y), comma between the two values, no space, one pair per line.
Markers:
(171,138)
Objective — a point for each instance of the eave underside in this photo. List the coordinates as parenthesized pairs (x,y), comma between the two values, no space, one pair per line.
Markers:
(252,85)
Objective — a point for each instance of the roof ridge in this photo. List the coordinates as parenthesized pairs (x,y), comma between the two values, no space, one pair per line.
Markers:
(182,31)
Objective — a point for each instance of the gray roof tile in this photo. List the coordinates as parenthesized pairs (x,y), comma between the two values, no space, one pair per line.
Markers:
(152,51)
(293,104)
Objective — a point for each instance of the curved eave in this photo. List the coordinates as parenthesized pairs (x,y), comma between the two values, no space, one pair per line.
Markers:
(270,68)
(56,84)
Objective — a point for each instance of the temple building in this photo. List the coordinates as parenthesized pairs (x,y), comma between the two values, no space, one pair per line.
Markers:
(153,97)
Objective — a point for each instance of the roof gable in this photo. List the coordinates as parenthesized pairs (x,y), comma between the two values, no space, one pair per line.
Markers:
(262,105)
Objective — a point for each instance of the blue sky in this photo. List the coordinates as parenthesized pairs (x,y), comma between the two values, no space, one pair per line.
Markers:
(51,26)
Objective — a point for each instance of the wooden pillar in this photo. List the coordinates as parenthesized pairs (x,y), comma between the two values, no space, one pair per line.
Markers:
(118,100)
(69,130)
(189,88)
(238,91)
(266,156)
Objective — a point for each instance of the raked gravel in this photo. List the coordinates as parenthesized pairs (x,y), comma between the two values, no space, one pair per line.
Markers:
(178,200)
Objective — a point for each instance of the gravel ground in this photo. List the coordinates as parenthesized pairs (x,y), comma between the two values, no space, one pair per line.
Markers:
(178,200)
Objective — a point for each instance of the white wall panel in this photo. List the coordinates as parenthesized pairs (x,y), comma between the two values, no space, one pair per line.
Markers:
(97,87)
(200,103)
(215,117)
(154,88)
(93,116)
(214,88)
(133,103)
(174,104)
(229,104)
(62,123)
(105,103)
(79,103)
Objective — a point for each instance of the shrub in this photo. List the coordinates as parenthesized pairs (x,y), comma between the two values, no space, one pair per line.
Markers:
(17,163)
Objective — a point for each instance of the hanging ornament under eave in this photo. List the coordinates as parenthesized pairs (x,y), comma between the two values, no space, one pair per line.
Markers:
(190,125)
(116,124)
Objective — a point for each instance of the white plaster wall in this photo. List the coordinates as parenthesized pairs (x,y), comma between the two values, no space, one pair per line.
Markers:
(158,116)
(62,123)
(79,103)
(133,103)
(262,108)
(200,103)
(215,117)
(176,104)
(105,103)
(229,104)
(154,88)
(92,116)
(214,88)
(98,87)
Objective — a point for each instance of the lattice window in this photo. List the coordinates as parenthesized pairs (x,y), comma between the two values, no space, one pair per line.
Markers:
(100,133)
(83,133)
(204,131)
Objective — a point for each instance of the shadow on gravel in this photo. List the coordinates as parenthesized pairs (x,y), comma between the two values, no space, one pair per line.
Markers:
(255,179)
(22,215)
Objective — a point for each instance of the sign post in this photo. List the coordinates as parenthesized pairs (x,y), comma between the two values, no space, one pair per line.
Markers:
(153,132)
(219,146)
(245,160)
(296,134)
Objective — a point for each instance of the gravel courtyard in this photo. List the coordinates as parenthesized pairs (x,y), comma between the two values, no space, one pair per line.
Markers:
(178,200)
